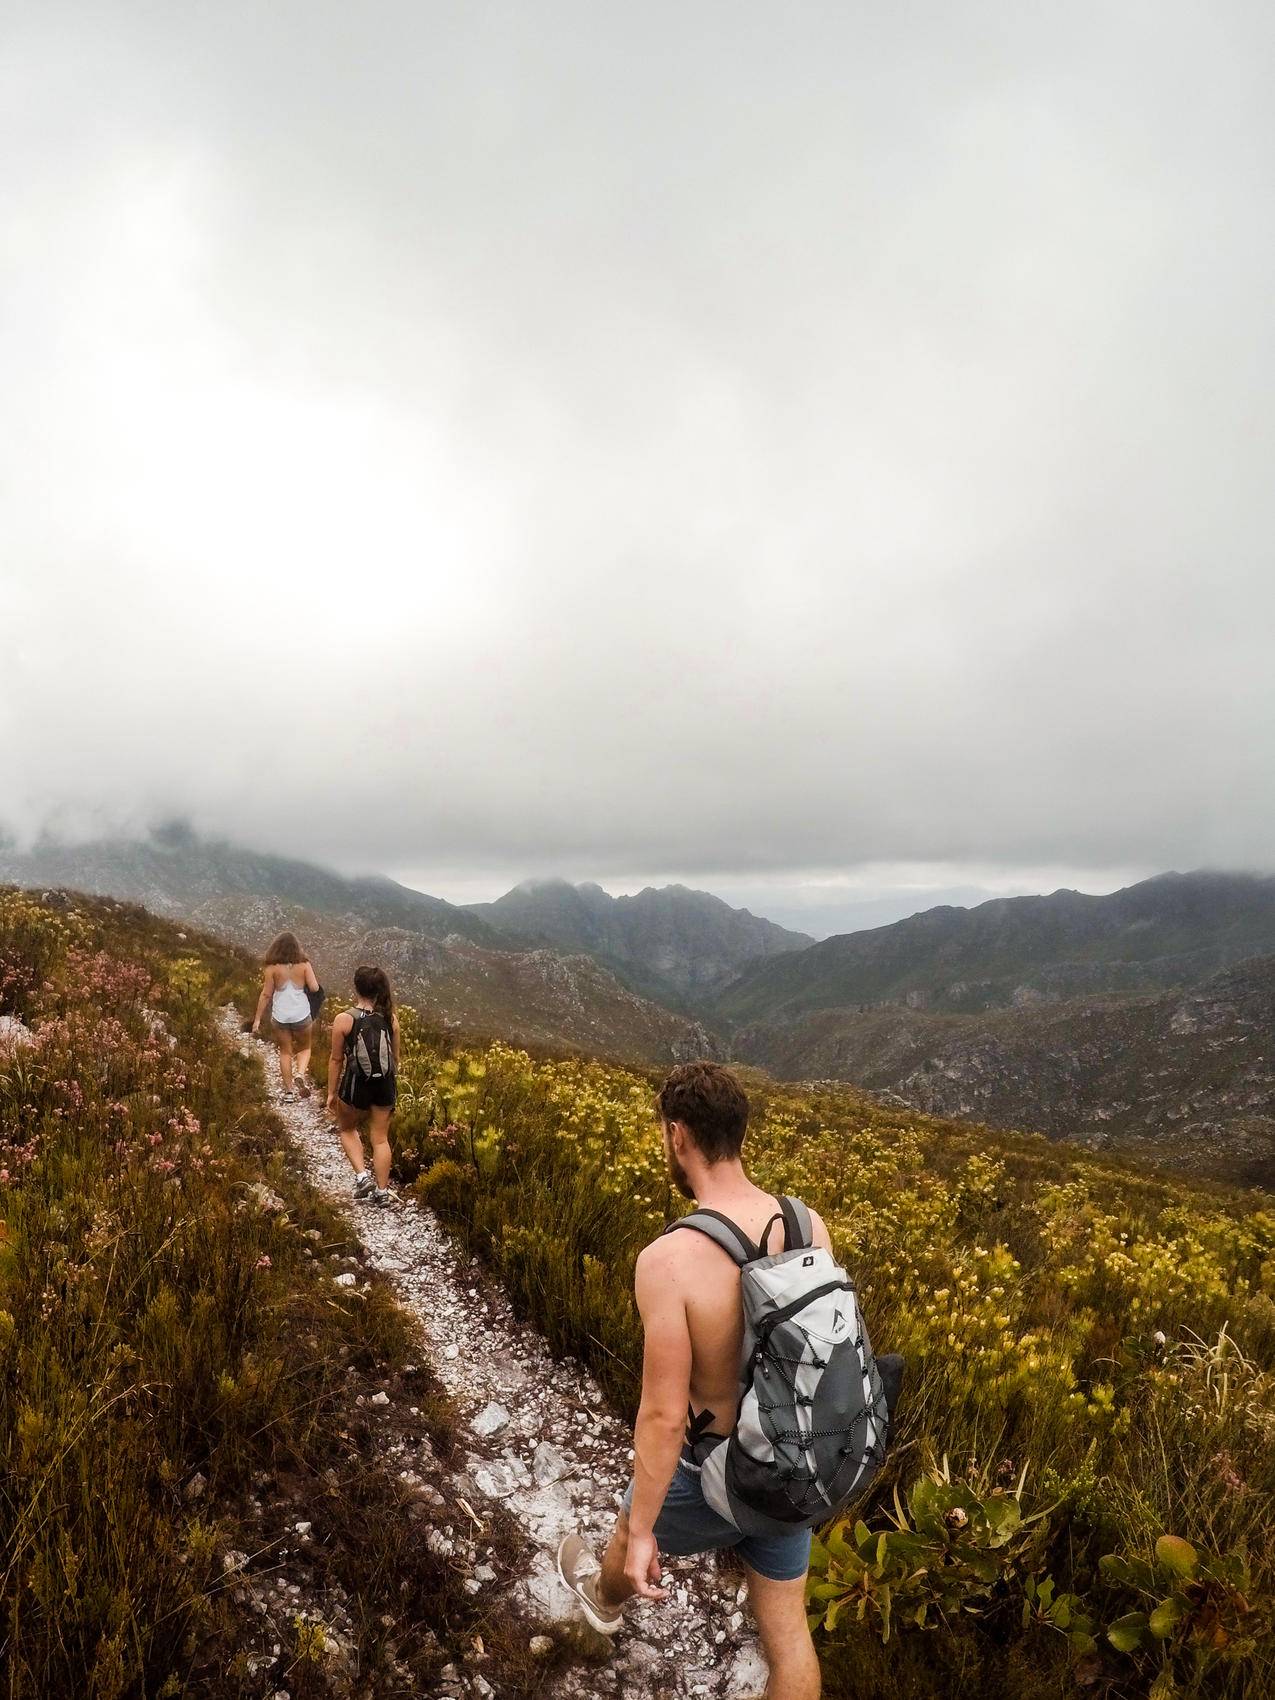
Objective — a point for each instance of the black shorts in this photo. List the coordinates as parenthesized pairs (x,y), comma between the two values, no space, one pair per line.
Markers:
(362,1094)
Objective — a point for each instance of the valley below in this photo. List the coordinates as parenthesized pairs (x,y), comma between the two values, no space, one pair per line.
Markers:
(1186,1080)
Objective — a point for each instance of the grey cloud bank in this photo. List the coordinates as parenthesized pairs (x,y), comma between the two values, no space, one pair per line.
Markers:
(717,443)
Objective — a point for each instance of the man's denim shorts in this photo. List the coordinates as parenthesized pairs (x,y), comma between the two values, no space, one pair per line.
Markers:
(688,1524)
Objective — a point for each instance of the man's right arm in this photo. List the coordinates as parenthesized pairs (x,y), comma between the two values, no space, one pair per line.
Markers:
(661,1419)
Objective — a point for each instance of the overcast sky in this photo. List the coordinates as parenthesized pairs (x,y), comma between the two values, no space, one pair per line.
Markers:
(798,450)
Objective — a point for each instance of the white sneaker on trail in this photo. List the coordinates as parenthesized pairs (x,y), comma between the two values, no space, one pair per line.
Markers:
(384,1196)
(289,1097)
(364,1184)
(578,1568)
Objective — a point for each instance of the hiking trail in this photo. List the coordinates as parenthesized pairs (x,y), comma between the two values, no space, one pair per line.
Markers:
(538,1439)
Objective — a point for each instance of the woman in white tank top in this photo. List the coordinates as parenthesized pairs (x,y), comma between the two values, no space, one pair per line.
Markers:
(286,980)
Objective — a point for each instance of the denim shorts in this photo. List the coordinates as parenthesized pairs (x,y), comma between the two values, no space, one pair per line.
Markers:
(688,1524)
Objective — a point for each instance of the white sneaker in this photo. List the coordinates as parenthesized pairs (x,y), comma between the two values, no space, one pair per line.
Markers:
(578,1568)
(364,1184)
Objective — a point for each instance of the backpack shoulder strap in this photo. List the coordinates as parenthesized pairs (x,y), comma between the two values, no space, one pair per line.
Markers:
(722,1231)
(798,1228)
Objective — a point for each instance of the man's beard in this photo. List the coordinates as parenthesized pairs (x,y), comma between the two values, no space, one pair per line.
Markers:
(677,1174)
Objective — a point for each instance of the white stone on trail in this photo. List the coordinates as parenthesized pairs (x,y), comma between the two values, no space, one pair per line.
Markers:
(548,1464)
(494,1481)
(545,1446)
(490,1420)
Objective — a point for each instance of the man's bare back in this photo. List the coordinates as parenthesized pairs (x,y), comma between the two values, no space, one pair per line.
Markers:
(688,1295)
(706,1283)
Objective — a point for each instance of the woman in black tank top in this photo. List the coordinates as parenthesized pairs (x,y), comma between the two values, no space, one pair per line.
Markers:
(363,1081)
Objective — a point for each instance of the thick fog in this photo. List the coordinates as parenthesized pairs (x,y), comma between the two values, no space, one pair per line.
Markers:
(759,446)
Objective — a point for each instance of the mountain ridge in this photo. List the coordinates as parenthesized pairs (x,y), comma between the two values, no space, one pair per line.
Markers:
(1068,1012)
(460,970)
(1169,930)
(670,942)
(173,868)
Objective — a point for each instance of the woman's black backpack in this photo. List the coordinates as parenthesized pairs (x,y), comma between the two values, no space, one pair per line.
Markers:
(369,1050)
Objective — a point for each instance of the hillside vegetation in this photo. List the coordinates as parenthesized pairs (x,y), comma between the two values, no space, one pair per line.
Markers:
(1082,1488)
(191,1501)
(1081,1494)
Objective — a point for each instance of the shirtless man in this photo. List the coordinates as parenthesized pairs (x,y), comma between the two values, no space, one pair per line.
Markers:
(688,1296)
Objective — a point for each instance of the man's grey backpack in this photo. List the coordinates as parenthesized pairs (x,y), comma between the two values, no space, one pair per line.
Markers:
(814,1409)
(369,1050)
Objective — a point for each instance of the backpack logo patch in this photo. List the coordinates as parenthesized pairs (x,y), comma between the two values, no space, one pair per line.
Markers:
(807,1262)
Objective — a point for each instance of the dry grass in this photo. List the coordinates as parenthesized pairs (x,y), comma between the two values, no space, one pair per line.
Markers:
(178,1374)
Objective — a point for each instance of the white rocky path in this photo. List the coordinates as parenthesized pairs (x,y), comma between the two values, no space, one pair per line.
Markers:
(539,1438)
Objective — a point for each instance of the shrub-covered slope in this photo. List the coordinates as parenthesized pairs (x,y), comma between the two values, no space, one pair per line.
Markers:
(191,1498)
(1090,1354)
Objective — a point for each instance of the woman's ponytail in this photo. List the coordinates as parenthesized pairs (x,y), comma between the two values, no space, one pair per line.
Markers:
(374,983)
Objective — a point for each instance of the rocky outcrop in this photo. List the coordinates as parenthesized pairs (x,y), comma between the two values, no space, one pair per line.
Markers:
(1185,1078)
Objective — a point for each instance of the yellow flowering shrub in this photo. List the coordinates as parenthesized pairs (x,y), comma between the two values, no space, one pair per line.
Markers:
(1047,1303)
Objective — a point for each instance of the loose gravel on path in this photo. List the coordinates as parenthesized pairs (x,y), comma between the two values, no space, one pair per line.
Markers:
(539,1439)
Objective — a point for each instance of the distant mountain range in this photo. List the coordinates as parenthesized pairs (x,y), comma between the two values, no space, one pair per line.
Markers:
(672,944)
(173,871)
(457,966)
(1142,1020)
(1169,931)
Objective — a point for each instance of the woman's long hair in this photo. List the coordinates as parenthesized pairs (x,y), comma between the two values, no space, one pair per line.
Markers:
(374,983)
(285,951)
